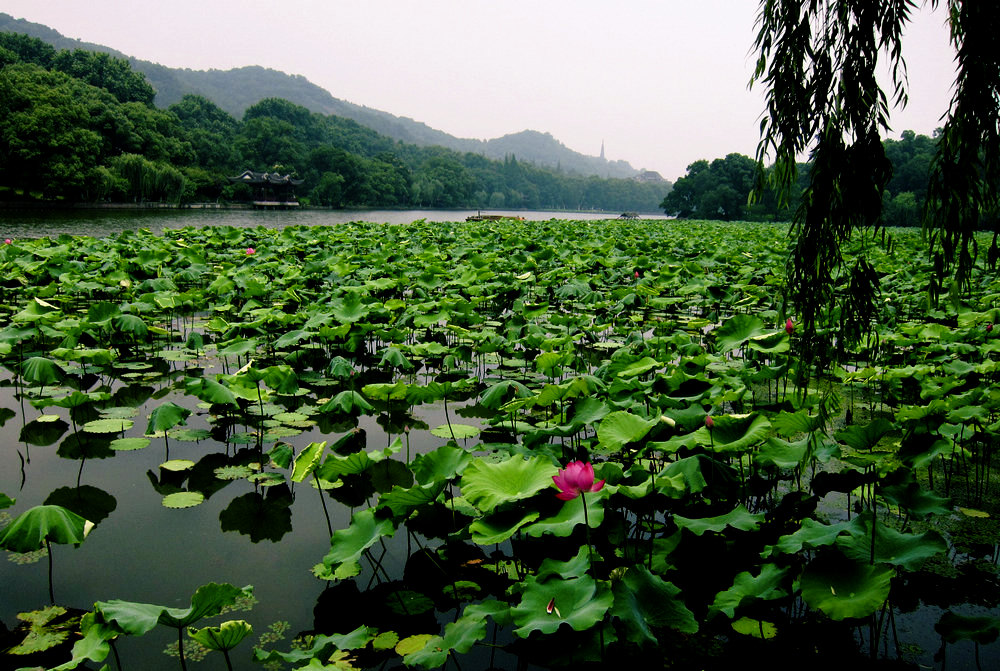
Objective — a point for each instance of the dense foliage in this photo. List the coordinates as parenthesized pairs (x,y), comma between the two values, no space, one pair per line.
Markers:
(728,511)
(722,189)
(67,119)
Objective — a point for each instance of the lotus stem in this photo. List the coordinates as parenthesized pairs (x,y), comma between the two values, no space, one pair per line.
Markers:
(48,551)
(322,500)
(180,647)
(229,664)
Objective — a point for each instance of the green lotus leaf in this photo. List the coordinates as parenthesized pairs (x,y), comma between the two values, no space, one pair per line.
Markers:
(189,435)
(413,644)
(347,545)
(183,500)
(97,357)
(865,438)
(915,499)
(307,461)
(127,444)
(458,431)
(570,516)
(747,589)
(442,464)
(843,588)
(387,640)
(293,337)
(739,518)
(210,391)
(500,393)
(383,391)
(94,644)
(350,309)
(811,535)
(108,425)
(619,428)
(778,453)
(74,400)
(488,485)
(737,330)
(773,342)
(790,424)
(579,602)
(131,324)
(498,527)
(30,530)
(907,550)
(165,417)
(755,628)
(226,636)
(643,601)
(177,465)
(394,358)
(402,501)
(347,402)
(5,501)
(137,619)
(41,371)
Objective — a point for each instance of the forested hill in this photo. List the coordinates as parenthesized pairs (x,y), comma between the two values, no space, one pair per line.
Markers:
(238,89)
(81,126)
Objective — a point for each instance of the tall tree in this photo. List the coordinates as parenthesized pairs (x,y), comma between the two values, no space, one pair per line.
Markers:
(819,62)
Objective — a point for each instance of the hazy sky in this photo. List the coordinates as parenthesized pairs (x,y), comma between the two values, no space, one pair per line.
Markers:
(662,83)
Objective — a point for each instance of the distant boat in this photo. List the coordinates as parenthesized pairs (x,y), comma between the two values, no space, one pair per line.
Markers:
(492,217)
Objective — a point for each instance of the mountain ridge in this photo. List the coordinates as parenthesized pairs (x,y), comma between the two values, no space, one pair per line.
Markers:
(236,89)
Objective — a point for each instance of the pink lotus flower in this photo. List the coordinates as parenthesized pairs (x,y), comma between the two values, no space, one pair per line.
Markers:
(8,241)
(251,251)
(709,422)
(576,479)
(789,326)
(989,327)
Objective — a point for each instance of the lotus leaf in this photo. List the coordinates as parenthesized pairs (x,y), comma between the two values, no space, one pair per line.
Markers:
(845,589)
(349,544)
(620,428)
(226,636)
(645,602)
(747,588)
(183,499)
(488,485)
(580,602)
(739,518)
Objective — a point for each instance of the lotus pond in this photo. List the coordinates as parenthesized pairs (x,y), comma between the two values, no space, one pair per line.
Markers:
(501,445)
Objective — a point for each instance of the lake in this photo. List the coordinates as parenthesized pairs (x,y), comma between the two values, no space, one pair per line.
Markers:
(17,223)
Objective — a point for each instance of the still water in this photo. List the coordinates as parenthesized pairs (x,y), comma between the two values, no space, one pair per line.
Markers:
(101,222)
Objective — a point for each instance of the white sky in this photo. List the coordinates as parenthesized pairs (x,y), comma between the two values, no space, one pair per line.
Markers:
(662,82)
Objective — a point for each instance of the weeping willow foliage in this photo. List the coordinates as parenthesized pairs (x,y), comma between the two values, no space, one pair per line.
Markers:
(148,180)
(818,61)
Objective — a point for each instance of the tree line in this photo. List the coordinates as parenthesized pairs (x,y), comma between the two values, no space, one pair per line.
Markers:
(81,126)
(721,189)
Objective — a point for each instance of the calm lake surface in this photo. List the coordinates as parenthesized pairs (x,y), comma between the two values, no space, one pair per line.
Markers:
(100,222)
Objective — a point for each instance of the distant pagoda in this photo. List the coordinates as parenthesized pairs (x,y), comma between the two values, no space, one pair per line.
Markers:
(270,190)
